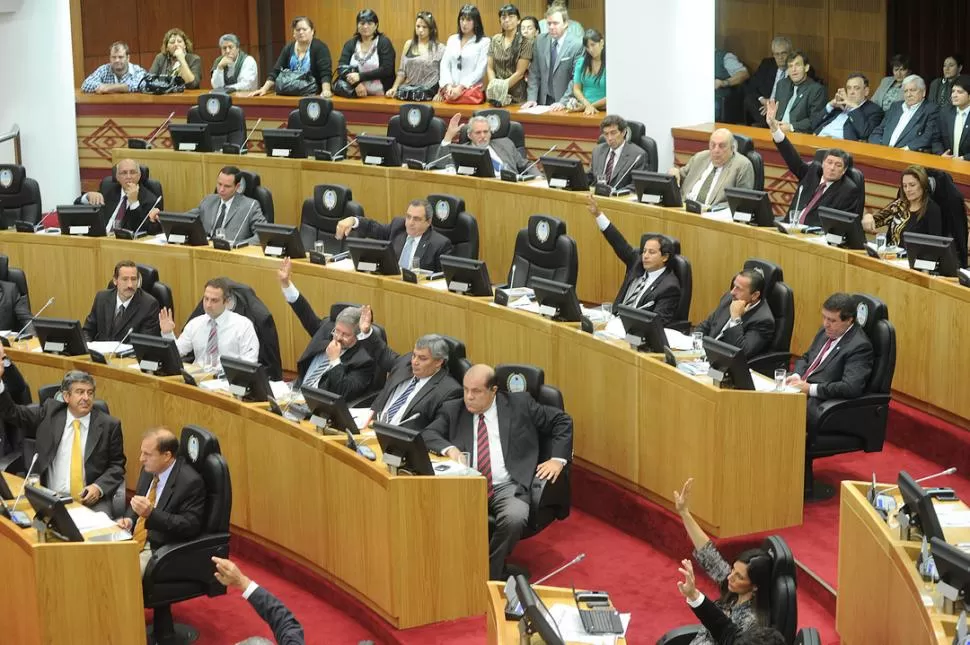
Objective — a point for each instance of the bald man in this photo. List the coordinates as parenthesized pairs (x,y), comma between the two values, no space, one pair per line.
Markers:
(125,201)
(704,178)
(510,424)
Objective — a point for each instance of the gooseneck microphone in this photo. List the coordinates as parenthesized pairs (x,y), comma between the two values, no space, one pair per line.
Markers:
(32,319)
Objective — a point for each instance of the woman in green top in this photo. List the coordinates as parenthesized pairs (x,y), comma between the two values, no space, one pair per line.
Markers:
(589,79)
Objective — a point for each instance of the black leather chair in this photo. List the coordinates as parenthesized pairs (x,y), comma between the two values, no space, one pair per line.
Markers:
(808,636)
(458,363)
(253,188)
(15,275)
(181,571)
(952,208)
(226,122)
(502,126)
(150,284)
(781,300)
(318,219)
(449,218)
(850,425)
(111,181)
(543,249)
(380,376)
(746,147)
(418,132)
(854,174)
(682,269)
(323,127)
(19,197)
(637,133)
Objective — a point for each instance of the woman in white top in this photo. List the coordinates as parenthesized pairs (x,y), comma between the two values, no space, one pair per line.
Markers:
(235,70)
(466,55)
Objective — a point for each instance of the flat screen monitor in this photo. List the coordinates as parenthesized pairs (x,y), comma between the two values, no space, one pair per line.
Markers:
(931,253)
(379,151)
(750,206)
(80,219)
(842,228)
(373,256)
(728,365)
(656,188)
(644,330)
(556,299)
(953,565)
(280,240)
(49,509)
(329,411)
(60,336)
(472,161)
(156,355)
(283,142)
(403,449)
(465,275)
(919,506)
(538,619)
(183,228)
(568,174)
(247,380)
(190,137)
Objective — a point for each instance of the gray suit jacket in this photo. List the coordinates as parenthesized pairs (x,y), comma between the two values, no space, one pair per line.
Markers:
(737,173)
(622,167)
(809,101)
(506,151)
(236,218)
(561,75)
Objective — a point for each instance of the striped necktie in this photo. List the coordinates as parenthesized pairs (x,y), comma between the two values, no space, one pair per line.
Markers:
(484,465)
(399,402)
(635,291)
(317,369)
(212,345)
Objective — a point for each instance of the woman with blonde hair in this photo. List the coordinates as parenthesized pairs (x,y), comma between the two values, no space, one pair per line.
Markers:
(914,211)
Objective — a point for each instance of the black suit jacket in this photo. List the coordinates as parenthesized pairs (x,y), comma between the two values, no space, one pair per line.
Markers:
(843,195)
(133,216)
(430,248)
(286,628)
(520,422)
(763,80)
(177,515)
(753,335)
(11,436)
(722,628)
(845,371)
(662,297)
(14,310)
(809,100)
(920,134)
(104,451)
(945,120)
(632,157)
(141,314)
(860,124)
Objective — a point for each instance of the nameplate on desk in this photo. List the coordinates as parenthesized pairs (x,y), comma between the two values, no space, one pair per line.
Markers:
(281,152)
(546,310)
(319,421)
(186,146)
(275,251)
(716,375)
(740,216)
(148,366)
(833,239)
(176,239)
(78,230)
(558,182)
(458,287)
(237,390)
(648,198)
(466,170)
(371,160)
(369,267)
(635,341)
(52,347)
(924,265)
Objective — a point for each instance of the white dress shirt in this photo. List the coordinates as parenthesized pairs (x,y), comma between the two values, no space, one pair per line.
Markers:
(474,58)
(247,79)
(59,478)
(491,152)
(237,337)
(779,74)
(616,160)
(499,473)
(959,120)
(907,116)
(398,391)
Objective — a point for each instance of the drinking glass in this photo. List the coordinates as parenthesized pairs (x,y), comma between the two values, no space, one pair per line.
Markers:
(780,375)
(697,338)
(881,245)
(318,246)
(465,459)
(607,308)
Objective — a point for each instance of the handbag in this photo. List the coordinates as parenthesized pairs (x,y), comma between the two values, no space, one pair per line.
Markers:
(293,83)
(341,86)
(416,93)
(161,84)
(471,96)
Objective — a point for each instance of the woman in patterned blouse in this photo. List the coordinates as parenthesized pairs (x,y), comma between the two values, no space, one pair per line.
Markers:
(914,211)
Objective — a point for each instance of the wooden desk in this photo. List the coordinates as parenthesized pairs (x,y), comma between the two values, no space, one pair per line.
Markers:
(61,593)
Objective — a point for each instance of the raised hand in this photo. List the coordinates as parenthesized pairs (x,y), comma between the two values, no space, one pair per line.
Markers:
(681,497)
(283,273)
(166,321)
(592,205)
(366,319)
(454,125)
(689,586)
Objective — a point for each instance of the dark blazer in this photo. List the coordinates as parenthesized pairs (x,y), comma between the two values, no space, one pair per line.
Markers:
(763,80)
(860,124)
(321,63)
(14,310)
(11,436)
(141,314)
(845,371)
(622,167)
(520,422)
(104,451)
(177,516)
(809,100)
(920,134)
(286,628)
(662,297)
(843,194)
(945,120)
(387,61)
(133,216)
(723,630)
(430,248)
(753,335)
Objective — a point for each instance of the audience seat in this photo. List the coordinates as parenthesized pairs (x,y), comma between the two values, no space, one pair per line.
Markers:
(418,132)
(746,147)
(854,174)
(637,133)
(226,122)
(781,300)
(682,269)
(19,197)
(449,218)
(252,187)
(543,249)
(323,127)
(15,275)
(502,126)
(155,186)
(318,219)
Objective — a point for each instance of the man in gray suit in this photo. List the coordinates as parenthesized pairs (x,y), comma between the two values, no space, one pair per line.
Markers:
(799,97)
(616,158)
(230,210)
(709,172)
(503,152)
(553,62)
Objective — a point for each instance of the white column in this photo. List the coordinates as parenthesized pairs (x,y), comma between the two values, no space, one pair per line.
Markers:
(660,65)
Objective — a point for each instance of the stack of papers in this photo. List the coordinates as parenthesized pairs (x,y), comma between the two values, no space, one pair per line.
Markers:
(538,109)
(678,341)
(952,516)
(723,215)
(88,520)
(596,315)
(109,347)
(572,630)
(347,264)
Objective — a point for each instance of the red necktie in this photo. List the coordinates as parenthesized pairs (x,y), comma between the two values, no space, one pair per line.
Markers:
(811,204)
(818,359)
(484,457)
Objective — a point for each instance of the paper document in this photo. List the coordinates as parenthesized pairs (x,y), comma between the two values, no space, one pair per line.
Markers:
(524,304)
(678,341)
(281,391)
(952,519)
(816,239)
(614,329)
(361,416)
(437,285)
(572,630)
(158,239)
(109,347)
(596,314)
(88,520)
(902,263)
(347,264)
(763,384)
(538,109)
(216,385)
(723,215)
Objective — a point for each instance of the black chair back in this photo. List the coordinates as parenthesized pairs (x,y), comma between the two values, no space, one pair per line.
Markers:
(252,187)
(808,636)
(543,249)
(456,357)
(872,315)
(150,284)
(226,122)
(780,299)
(13,274)
(200,449)
(953,210)
(449,218)
(673,240)
(682,269)
(380,376)
(19,196)
(323,127)
(418,132)
(502,127)
(318,219)
(851,172)
(746,147)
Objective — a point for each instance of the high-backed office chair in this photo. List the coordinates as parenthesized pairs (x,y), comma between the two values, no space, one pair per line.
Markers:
(851,171)
(380,376)
(837,426)
(318,219)
(150,284)
(324,128)
(226,122)
(952,208)
(111,181)
(418,132)
(781,300)
(457,360)
(181,571)
(252,187)
(685,275)
(15,275)
(502,126)
(543,249)
(746,148)
(449,218)
(19,196)
(637,133)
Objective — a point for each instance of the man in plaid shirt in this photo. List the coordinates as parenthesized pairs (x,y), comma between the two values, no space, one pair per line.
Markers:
(117,76)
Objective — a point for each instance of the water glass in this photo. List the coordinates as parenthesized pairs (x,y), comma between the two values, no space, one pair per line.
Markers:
(318,246)
(881,244)
(697,338)
(794,216)
(607,308)
(780,375)
(465,459)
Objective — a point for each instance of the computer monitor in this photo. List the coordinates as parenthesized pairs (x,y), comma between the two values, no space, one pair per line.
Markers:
(280,240)
(556,299)
(538,619)
(156,355)
(60,336)
(80,219)
(656,188)
(932,253)
(379,151)
(49,509)
(750,206)
(568,174)
(247,380)
(644,330)
(465,275)
(403,449)
(183,228)
(283,142)
(728,365)
(842,228)
(373,256)
(919,506)
(329,411)
(190,137)
(953,566)
(472,161)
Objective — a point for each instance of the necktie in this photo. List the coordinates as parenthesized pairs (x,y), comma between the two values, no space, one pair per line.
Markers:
(496,166)
(958,131)
(791,103)
(635,290)
(119,215)
(221,220)
(399,402)
(116,323)
(140,534)
(407,254)
(553,57)
(609,166)
(702,194)
(212,345)
(818,359)
(816,196)
(77,462)
(319,366)
(484,465)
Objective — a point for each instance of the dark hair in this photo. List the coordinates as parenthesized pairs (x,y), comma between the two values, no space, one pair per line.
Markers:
(119,44)
(899,60)
(472,13)
(367,15)
(509,9)
(919,174)
(423,203)
(219,283)
(613,119)
(844,303)
(533,19)
(957,58)
(841,154)
(429,20)
(125,263)
(962,81)
(596,37)
(759,573)
(865,79)
(167,442)
(564,3)
(666,244)
(75,376)
(232,170)
(796,54)
(296,21)
(759,635)
(756,278)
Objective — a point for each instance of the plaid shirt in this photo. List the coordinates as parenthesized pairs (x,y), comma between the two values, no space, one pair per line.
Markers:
(104,75)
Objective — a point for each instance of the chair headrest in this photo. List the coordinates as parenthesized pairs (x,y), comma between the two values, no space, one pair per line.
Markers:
(445,209)
(315,111)
(248,183)
(544,230)
(745,143)
(771,271)
(415,117)
(197,443)
(635,130)
(499,121)
(331,199)
(4,267)
(519,377)
(673,240)
(932,181)
(456,354)
(11,178)
(214,107)
(869,311)
(337,307)
(821,153)
(149,276)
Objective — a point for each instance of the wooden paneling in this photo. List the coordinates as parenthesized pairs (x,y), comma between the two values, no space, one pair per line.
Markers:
(928,32)
(857,41)
(745,28)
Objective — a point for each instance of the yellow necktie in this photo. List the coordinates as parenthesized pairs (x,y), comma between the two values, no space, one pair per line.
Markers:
(77,463)
(140,534)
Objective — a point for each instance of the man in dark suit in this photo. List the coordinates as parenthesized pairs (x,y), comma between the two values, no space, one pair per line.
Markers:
(742,318)
(910,124)
(850,115)
(554,57)
(333,360)
(763,84)
(819,184)
(649,283)
(615,159)
(415,242)
(125,307)
(80,449)
(286,628)
(229,210)
(125,202)
(14,308)
(503,152)
(501,432)
(954,124)
(169,499)
(799,97)
(11,436)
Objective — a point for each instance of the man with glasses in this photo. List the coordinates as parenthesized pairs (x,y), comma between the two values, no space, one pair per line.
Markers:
(764,84)
(126,202)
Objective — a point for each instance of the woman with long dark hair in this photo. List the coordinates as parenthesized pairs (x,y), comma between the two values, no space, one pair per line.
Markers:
(913,211)
(589,77)
(420,58)
(369,56)
(305,54)
(508,60)
(466,55)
